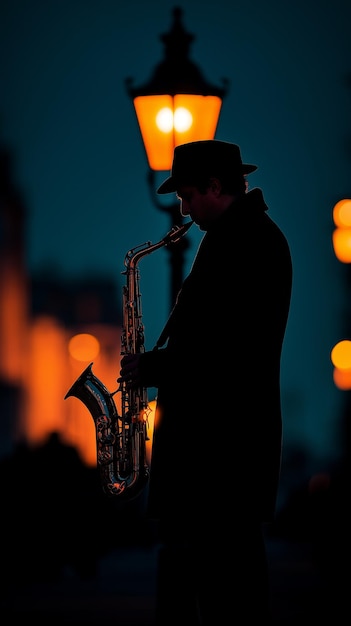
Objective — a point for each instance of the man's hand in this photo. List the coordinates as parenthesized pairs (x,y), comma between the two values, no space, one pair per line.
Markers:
(129,372)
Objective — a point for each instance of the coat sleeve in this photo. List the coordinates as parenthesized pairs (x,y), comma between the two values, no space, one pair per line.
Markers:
(154,366)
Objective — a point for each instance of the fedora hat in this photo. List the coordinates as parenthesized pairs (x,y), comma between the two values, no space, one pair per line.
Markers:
(192,161)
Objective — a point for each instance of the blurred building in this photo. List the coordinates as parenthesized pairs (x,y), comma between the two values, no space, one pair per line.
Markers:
(38,316)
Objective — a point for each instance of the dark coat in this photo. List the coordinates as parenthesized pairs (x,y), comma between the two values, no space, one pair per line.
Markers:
(218,433)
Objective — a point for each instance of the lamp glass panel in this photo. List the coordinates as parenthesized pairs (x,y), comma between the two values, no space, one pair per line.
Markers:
(167,121)
(158,144)
(205,113)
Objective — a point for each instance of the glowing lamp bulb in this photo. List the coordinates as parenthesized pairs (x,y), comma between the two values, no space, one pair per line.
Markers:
(180,121)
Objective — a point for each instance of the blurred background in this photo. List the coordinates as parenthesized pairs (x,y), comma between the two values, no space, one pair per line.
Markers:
(77,193)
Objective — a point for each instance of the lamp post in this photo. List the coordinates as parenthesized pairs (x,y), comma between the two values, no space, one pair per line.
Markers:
(176,106)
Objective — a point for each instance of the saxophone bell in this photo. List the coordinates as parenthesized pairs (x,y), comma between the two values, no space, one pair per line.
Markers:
(121,474)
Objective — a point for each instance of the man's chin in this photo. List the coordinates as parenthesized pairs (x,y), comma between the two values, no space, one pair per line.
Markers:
(202,225)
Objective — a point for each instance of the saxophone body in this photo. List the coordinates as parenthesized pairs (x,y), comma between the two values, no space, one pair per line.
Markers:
(121,439)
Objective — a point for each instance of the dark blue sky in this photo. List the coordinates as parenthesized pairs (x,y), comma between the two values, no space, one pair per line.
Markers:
(79,159)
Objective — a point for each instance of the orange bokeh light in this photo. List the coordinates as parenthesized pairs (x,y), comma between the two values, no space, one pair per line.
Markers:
(342,378)
(342,244)
(342,213)
(84,347)
(341,355)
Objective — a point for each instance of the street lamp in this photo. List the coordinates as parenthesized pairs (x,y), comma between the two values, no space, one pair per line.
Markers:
(176,106)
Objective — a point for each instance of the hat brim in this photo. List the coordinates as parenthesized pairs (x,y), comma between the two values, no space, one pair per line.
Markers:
(171,184)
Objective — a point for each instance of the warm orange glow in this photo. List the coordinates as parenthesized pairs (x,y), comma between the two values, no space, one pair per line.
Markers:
(79,424)
(342,244)
(45,381)
(342,213)
(150,430)
(341,355)
(84,347)
(166,121)
(342,378)
(13,323)
(49,372)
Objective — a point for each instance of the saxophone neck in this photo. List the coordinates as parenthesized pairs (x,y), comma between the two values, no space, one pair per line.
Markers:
(134,255)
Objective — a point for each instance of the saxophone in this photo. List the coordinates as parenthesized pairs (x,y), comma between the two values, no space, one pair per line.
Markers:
(121,439)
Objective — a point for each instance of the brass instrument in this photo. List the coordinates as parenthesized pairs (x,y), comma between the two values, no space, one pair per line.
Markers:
(121,439)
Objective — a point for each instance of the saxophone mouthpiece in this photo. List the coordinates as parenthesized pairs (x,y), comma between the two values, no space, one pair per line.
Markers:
(187,226)
(177,233)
